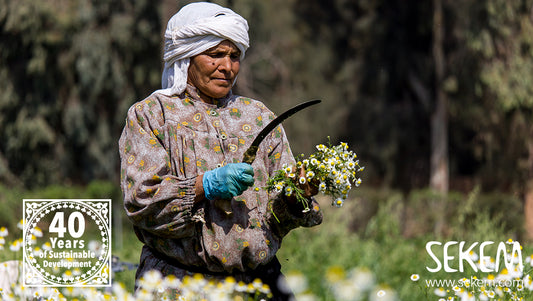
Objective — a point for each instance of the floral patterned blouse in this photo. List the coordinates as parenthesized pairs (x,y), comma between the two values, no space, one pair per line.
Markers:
(166,143)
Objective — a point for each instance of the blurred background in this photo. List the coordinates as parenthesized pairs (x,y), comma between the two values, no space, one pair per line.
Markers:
(436,97)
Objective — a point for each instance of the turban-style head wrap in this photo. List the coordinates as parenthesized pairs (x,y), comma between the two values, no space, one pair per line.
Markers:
(196,28)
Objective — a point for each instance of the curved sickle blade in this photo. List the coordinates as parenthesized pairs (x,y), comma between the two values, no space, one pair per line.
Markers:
(249,155)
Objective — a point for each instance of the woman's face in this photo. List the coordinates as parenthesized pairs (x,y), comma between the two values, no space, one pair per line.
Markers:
(214,70)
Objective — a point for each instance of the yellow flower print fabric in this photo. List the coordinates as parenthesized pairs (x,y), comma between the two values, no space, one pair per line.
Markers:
(166,143)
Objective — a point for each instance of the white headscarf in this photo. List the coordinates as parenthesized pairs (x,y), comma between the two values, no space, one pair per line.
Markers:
(196,28)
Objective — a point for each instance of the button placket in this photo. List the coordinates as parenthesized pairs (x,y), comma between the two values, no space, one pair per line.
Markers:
(221,134)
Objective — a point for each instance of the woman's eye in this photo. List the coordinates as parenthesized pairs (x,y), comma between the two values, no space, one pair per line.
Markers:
(216,55)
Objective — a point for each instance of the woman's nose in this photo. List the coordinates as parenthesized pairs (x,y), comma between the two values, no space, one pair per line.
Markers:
(225,63)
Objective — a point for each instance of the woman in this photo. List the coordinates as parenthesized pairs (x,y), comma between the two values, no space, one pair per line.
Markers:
(193,205)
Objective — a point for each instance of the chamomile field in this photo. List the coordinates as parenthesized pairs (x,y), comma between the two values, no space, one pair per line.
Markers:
(380,245)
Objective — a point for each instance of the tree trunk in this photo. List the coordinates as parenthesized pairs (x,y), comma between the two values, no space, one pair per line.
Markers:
(528,204)
(439,119)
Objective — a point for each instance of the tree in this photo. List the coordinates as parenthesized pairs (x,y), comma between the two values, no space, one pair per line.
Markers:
(439,119)
(71,69)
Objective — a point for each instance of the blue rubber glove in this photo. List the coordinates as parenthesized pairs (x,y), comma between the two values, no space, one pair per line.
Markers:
(227,181)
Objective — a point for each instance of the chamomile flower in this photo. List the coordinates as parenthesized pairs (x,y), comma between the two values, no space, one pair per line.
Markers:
(151,280)
(415,277)
(3,232)
(338,202)
(37,232)
(288,191)
(335,167)
(441,292)
(296,282)
(279,187)
(16,245)
(37,252)
(240,287)
(47,246)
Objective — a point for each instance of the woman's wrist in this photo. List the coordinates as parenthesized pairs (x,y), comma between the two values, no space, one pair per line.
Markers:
(199,189)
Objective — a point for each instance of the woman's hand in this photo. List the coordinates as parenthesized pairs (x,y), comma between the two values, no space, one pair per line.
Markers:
(227,181)
(310,187)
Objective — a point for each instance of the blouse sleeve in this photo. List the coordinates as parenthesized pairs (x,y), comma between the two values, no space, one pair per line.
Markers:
(283,217)
(155,199)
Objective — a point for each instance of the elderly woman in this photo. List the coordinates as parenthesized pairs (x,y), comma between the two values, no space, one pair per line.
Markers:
(193,205)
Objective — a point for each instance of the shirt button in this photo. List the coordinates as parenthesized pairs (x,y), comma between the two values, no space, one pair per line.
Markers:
(213,113)
(219,165)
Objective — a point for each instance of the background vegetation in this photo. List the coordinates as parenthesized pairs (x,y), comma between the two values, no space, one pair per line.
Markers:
(436,98)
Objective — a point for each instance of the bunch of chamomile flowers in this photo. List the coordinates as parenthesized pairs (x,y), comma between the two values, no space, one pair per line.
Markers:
(335,169)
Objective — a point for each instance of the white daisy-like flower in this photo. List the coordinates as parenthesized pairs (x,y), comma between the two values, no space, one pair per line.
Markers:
(240,287)
(302,180)
(47,246)
(415,277)
(296,282)
(171,281)
(37,252)
(279,187)
(265,289)
(151,280)
(16,245)
(441,292)
(3,232)
(383,294)
(33,239)
(37,232)
(288,191)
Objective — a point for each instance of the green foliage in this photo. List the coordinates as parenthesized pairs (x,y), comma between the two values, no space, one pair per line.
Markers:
(71,69)
(389,248)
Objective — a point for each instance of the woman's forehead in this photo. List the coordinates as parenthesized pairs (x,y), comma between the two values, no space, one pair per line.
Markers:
(224,45)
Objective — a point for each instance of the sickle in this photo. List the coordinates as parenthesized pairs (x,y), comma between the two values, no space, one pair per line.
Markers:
(251,152)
